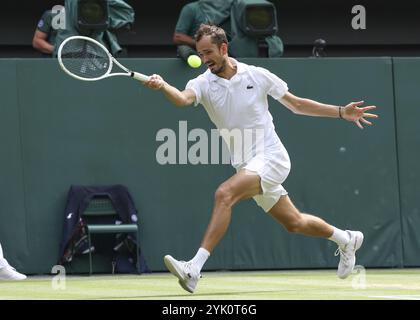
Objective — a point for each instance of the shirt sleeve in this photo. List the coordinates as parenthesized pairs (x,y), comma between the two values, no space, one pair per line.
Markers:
(44,24)
(198,85)
(185,20)
(273,85)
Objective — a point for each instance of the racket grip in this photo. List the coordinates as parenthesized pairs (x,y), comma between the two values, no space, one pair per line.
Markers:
(139,76)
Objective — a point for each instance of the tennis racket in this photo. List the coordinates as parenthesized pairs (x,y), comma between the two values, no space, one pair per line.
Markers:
(86,59)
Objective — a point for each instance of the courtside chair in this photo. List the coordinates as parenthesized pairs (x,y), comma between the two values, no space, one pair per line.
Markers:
(102,207)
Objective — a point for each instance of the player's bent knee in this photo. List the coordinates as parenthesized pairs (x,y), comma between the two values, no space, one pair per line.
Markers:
(224,196)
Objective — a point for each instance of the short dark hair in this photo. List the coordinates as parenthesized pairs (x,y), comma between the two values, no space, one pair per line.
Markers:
(217,34)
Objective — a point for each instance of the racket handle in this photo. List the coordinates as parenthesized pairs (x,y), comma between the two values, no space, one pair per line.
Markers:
(139,76)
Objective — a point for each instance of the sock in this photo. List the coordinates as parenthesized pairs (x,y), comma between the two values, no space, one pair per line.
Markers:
(340,237)
(200,258)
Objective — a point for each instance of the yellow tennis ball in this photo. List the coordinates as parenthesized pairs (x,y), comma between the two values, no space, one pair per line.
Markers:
(194,61)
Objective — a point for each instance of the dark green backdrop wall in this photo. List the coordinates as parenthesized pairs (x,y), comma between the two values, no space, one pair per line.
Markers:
(407,97)
(56,131)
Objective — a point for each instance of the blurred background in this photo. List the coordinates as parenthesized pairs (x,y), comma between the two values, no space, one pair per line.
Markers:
(392,28)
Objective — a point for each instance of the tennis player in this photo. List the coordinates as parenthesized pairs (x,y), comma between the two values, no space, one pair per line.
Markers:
(234,95)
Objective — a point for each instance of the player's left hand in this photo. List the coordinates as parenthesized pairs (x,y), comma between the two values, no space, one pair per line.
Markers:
(353,113)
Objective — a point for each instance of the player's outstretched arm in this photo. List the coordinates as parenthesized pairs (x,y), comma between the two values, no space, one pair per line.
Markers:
(178,98)
(351,112)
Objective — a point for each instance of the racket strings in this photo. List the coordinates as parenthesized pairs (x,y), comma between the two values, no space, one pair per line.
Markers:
(85,59)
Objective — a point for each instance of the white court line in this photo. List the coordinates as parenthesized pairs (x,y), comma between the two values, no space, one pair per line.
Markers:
(403,297)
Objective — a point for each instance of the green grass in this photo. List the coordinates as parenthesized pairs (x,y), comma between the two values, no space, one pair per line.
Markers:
(268,285)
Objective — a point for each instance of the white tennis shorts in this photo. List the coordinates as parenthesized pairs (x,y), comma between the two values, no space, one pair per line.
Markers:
(273,167)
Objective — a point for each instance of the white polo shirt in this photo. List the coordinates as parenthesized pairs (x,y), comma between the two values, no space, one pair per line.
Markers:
(240,104)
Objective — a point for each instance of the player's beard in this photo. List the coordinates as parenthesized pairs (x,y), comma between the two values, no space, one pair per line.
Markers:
(220,69)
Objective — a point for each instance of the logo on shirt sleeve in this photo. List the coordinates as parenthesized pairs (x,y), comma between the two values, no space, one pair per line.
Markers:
(249,86)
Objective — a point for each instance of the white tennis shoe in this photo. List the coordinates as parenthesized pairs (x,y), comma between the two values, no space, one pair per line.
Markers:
(348,254)
(10,273)
(186,272)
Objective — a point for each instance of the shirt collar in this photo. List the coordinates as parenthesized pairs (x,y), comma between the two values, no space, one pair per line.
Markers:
(239,69)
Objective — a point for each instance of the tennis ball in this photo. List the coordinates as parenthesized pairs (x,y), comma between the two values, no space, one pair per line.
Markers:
(194,61)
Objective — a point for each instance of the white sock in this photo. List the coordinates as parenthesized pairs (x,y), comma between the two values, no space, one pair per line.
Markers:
(200,258)
(340,237)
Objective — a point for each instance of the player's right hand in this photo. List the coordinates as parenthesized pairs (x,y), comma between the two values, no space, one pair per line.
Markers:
(155,82)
